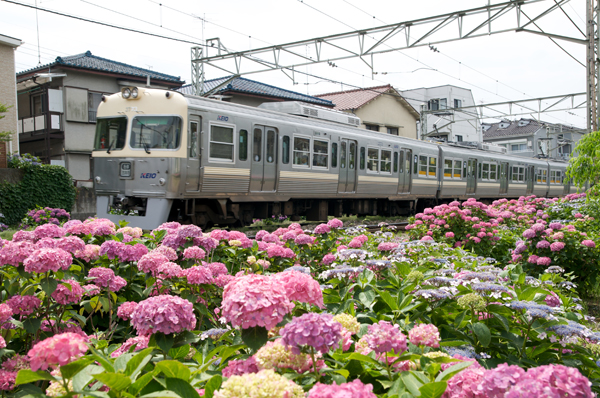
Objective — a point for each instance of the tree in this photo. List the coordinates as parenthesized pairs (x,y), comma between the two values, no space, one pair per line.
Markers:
(585,167)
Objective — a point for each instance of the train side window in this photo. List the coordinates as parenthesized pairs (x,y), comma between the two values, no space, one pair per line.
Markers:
(432,166)
(423,165)
(193,139)
(552,176)
(544,176)
(362,157)
(447,168)
(465,169)
(485,171)
(395,162)
(257,147)
(386,161)
(243,142)
(221,143)
(334,155)
(539,176)
(373,160)
(558,177)
(302,151)
(285,147)
(343,156)
(493,171)
(416,164)
(479,175)
(457,169)
(352,156)
(521,174)
(320,153)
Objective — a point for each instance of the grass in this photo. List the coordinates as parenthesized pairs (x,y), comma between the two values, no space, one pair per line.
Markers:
(8,234)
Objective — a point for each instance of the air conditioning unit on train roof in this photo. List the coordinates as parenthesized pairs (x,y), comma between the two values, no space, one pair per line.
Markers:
(492,148)
(312,111)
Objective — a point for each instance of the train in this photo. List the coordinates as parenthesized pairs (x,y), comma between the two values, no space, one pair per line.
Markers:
(164,156)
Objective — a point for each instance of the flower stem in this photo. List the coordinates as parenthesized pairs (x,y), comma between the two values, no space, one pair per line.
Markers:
(387,365)
(314,361)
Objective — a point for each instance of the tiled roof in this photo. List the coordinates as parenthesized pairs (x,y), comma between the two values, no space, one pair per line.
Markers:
(354,99)
(92,62)
(514,129)
(242,85)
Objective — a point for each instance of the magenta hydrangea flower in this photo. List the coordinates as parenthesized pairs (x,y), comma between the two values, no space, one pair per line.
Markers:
(353,389)
(425,334)
(106,278)
(496,382)
(552,381)
(5,312)
(168,270)
(238,367)
(14,253)
(206,242)
(126,309)
(384,337)
(544,261)
(140,342)
(166,314)
(588,243)
(151,261)
(322,229)
(552,300)
(63,295)
(48,231)
(89,253)
(301,287)
(59,349)
(529,233)
(198,275)
(387,246)
(111,249)
(23,305)
(70,244)
(23,236)
(170,253)
(449,235)
(132,252)
(255,300)
(217,269)
(328,259)
(91,290)
(44,260)
(464,384)
(557,246)
(318,331)
(7,380)
(194,252)
(334,223)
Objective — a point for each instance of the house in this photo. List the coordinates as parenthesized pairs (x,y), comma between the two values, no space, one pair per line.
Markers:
(252,93)
(532,138)
(8,95)
(379,108)
(57,106)
(442,120)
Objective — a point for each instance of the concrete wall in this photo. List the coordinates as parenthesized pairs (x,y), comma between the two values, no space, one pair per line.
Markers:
(8,94)
(387,111)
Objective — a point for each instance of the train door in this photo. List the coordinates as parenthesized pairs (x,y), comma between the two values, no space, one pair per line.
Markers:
(404,174)
(192,176)
(471,176)
(503,177)
(347,179)
(529,177)
(263,174)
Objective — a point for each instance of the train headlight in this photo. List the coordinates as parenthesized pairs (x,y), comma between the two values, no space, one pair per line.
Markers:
(161,181)
(134,93)
(98,179)
(125,169)
(126,93)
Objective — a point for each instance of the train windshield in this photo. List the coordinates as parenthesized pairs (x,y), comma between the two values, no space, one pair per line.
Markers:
(155,132)
(110,133)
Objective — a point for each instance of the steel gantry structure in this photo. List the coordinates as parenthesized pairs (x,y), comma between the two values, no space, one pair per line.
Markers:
(364,44)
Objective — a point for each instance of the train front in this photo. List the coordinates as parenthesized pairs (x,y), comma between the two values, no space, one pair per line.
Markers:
(139,152)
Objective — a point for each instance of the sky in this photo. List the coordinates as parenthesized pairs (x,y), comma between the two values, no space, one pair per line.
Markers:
(497,68)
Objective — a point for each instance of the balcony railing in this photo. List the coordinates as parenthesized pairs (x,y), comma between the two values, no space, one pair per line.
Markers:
(33,124)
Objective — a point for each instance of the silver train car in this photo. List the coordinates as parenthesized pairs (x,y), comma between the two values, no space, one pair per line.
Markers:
(163,156)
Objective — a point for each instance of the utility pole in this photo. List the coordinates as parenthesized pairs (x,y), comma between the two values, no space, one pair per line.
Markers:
(592,67)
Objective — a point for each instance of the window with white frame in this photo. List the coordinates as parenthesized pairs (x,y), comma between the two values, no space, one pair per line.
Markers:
(320,153)
(423,165)
(302,151)
(373,160)
(221,143)
(518,174)
(489,171)
(432,167)
(386,161)
(493,171)
(452,169)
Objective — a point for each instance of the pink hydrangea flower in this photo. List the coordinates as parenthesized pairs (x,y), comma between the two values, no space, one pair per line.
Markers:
(14,253)
(59,349)
(71,244)
(384,337)
(335,223)
(7,380)
(44,260)
(255,300)
(89,253)
(425,334)
(170,253)
(198,275)
(151,261)
(328,259)
(322,229)
(126,309)
(353,389)
(166,314)
(63,295)
(105,277)
(239,367)
(552,300)
(551,381)
(588,243)
(5,312)
(194,252)
(304,239)
(318,331)
(23,305)
(557,246)
(449,235)
(544,261)
(387,246)
(496,382)
(464,384)
(301,287)
(168,270)
(48,231)
(140,342)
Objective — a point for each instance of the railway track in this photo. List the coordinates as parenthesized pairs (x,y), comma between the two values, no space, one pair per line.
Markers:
(370,228)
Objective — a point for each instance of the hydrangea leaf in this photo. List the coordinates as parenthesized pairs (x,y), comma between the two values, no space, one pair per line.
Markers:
(255,337)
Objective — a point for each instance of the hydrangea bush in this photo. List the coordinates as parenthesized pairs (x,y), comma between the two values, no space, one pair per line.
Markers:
(459,309)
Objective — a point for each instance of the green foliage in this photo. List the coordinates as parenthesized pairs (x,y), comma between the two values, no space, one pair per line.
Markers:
(43,185)
(5,136)
(585,167)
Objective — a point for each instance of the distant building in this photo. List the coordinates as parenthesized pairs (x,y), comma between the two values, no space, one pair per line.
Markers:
(252,93)
(58,103)
(379,108)
(443,122)
(531,138)
(8,94)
